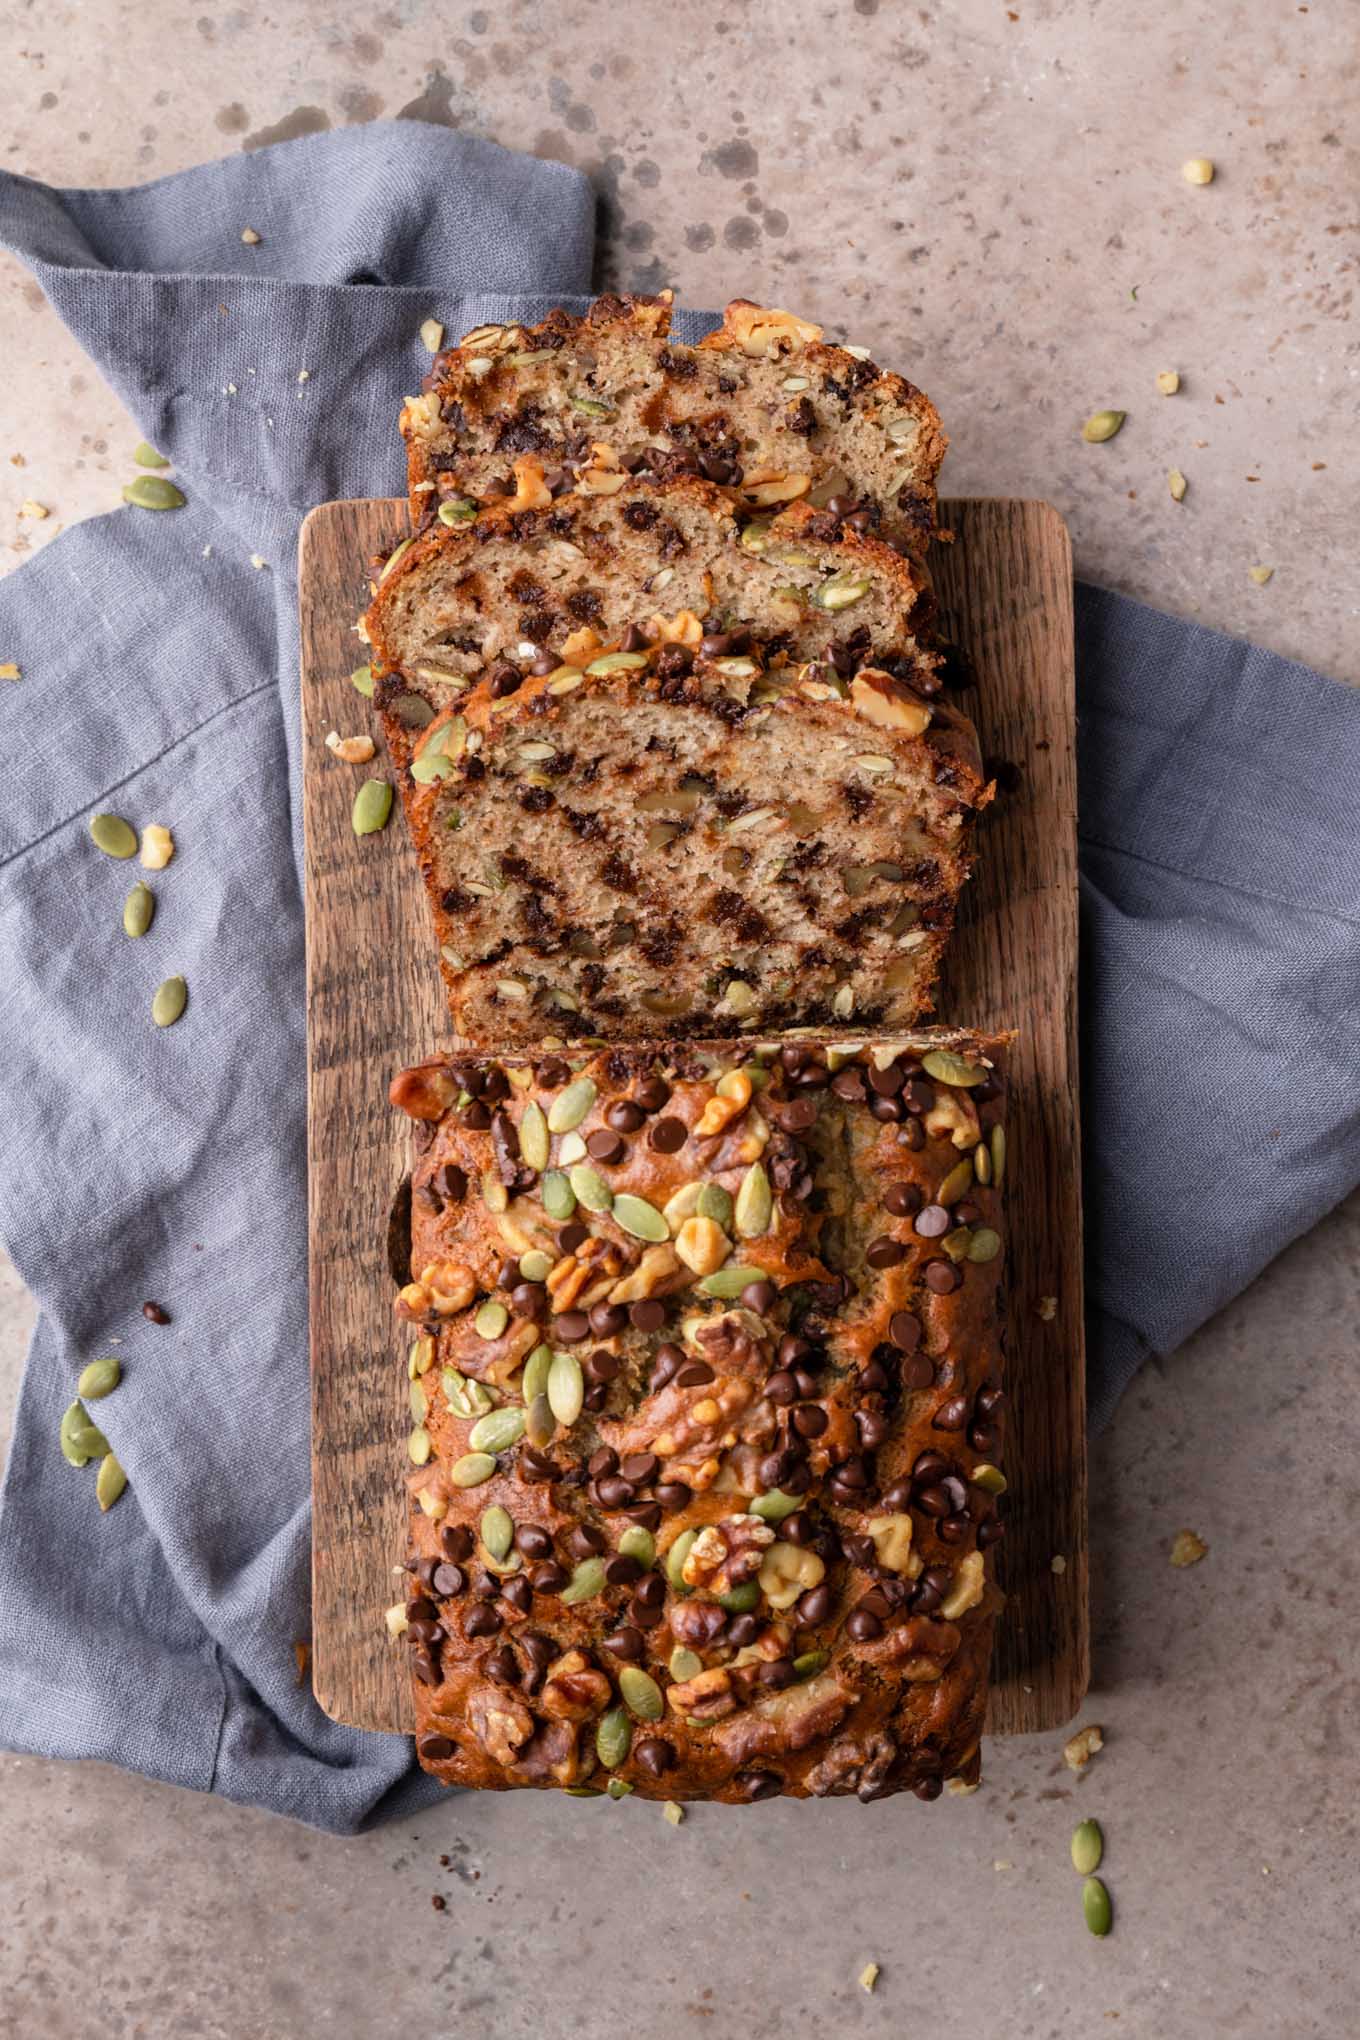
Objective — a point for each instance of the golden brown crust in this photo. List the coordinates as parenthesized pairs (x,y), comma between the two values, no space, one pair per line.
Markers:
(828,1430)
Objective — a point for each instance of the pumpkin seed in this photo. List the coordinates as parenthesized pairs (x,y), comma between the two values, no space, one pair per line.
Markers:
(840,592)
(742,1599)
(109,1482)
(618,662)
(566,1388)
(79,1437)
(139,910)
(774,1506)
(99,1379)
(540,1425)
(956,1184)
(153,492)
(472,1469)
(613,1738)
(641,1693)
(639,1218)
(559,1199)
(398,552)
(534,1141)
(1095,1903)
(498,1430)
(811,1662)
(1102,425)
(456,510)
(714,1202)
(587,1580)
(419,1401)
(990,1478)
(495,1196)
(676,1556)
(535,1266)
(685,1664)
(145,456)
(984,1245)
(169,1002)
(114,836)
(570,1107)
(535,1379)
(998,1154)
(684,1204)
(497,1531)
(465,1398)
(372,807)
(755,1203)
(639,1544)
(729,1282)
(421,1358)
(591,1188)
(1088,1846)
(590,407)
(947,1068)
(412,711)
(491,1320)
(982,1163)
(362,679)
(419,1446)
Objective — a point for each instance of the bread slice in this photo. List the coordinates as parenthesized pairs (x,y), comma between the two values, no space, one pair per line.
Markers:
(653,841)
(517,587)
(762,407)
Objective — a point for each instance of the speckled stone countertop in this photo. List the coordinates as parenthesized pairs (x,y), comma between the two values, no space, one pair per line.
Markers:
(990,198)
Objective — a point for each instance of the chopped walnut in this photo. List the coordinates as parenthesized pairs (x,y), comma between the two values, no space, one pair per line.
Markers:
(724,1554)
(708,1696)
(954,1113)
(760,331)
(877,697)
(574,1690)
(1079,1749)
(684,628)
(531,491)
(1188,1549)
(658,1265)
(702,1245)
(501,1724)
(423,1093)
(763,495)
(970,1583)
(787,1572)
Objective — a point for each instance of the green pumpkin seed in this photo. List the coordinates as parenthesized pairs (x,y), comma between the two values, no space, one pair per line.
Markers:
(145,456)
(540,1425)
(639,1544)
(755,1203)
(533,1137)
(472,1469)
(465,1398)
(566,1388)
(1095,1903)
(99,1379)
(75,1436)
(618,1788)
(714,1202)
(372,807)
(613,1738)
(109,1482)
(169,1003)
(676,1556)
(756,535)
(618,662)
(421,1358)
(639,1218)
(497,1531)
(491,1320)
(984,1245)
(740,1600)
(398,552)
(114,836)
(419,1446)
(570,1106)
(990,1478)
(559,1199)
(641,1693)
(956,1184)
(536,1266)
(590,407)
(775,1506)
(419,1401)
(982,1163)
(535,1378)
(729,1282)
(153,492)
(591,1188)
(811,1662)
(684,1204)
(498,1430)
(947,1068)
(998,1154)
(1102,425)
(841,592)
(1088,1846)
(456,510)
(362,678)
(685,1664)
(431,764)
(587,1580)
(139,910)
(412,711)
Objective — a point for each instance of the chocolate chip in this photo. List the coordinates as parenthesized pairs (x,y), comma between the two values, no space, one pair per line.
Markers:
(612,1492)
(549,1578)
(628,1644)
(450,1182)
(529,1300)
(639,1467)
(476,1115)
(651,1591)
(781,1388)
(457,1541)
(777,1672)
(759,1297)
(932,1222)
(849,1084)
(604,1459)
(902,1199)
(600,1366)
(798,1528)
(989,1400)
(951,1415)
(873,1428)
(604,1145)
(583,1540)
(448,1581)
(647,1316)
(624,1116)
(155,1313)
(673,1494)
(503,1665)
(653,1093)
(519,1594)
(816,1604)
(694,1374)
(810,1420)
(571,1327)
(571,1237)
(669,1360)
(917,1372)
(654,1755)
(481,1621)
(535,1465)
(885,1252)
(991,1532)
(982,1437)
(941,1277)
(607,1320)
(532,1541)
(668,1136)
(887,1083)
(621,1570)
(759,1784)
(874,1379)
(743,1629)
(863,1626)
(551,1073)
(953,1529)
(795,1115)
(905,1331)
(504,680)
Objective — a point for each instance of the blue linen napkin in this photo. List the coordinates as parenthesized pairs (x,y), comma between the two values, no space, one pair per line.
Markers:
(1221,871)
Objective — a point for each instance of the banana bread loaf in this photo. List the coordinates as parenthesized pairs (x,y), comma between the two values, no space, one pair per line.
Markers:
(652,841)
(706,1385)
(761,407)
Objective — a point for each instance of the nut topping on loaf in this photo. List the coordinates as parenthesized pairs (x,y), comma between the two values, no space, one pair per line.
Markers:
(762,408)
(707,1402)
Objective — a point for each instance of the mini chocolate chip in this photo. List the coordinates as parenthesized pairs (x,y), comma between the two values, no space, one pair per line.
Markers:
(625,1116)
(549,1578)
(612,1492)
(781,1388)
(674,1494)
(533,1541)
(758,1297)
(529,1299)
(951,1415)
(572,1236)
(798,1528)
(887,1083)
(654,1755)
(885,1252)
(583,1540)
(604,1459)
(669,1360)
(571,1327)
(448,1581)
(503,1665)
(621,1570)
(887,1111)
(694,1374)
(941,1277)
(902,1199)
(849,1084)
(815,1606)
(874,1379)
(932,1222)
(628,1644)
(481,1621)
(863,1626)
(519,1594)
(607,1320)
(653,1093)
(604,1145)
(810,1420)
(668,1136)
(639,1467)
(873,1428)
(649,1315)
(898,1497)
(651,1591)
(457,1541)
(601,1366)
(905,1331)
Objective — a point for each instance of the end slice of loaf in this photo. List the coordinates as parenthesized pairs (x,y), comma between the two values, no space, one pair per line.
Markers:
(657,841)
(763,407)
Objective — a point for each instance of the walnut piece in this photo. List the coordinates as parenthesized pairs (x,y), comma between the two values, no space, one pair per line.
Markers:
(1188,1549)
(1079,1749)
(876,696)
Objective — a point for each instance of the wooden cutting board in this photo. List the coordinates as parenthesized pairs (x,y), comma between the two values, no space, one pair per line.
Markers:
(374,1003)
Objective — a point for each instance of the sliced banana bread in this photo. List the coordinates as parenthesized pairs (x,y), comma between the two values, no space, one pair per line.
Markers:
(762,407)
(690,835)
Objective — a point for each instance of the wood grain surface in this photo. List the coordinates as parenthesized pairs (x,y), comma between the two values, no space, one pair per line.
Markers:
(374,1003)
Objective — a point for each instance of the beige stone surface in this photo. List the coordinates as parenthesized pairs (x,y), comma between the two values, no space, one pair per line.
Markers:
(990,197)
